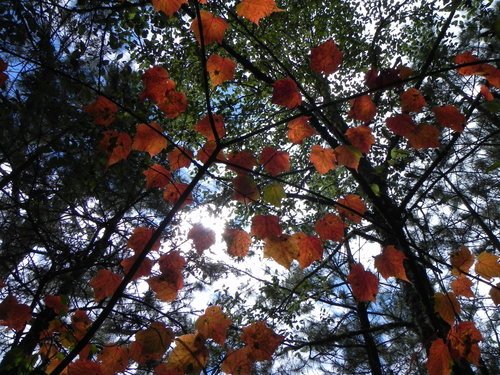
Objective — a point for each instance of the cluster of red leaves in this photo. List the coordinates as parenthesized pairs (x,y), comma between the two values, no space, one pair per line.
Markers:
(260,344)
(159,88)
(488,71)
(170,281)
(461,344)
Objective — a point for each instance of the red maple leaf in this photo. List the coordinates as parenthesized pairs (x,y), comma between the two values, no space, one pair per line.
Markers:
(326,58)
(274,161)
(286,93)
(364,284)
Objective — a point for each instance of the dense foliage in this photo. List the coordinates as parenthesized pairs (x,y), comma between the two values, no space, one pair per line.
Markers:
(250,186)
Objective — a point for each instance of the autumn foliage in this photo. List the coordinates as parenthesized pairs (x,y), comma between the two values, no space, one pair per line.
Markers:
(307,187)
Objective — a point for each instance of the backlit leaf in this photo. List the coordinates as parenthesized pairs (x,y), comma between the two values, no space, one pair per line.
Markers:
(348,156)
(169,7)
(299,129)
(461,260)
(450,117)
(265,226)
(238,242)
(362,109)
(117,145)
(330,227)
(281,249)
(202,237)
(412,101)
(220,69)
(495,294)
(149,138)
(189,355)
(204,127)
(286,93)
(261,341)
(273,194)
(255,10)
(180,157)
(213,324)
(150,344)
(447,306)
(390,263)
(463,339)
(13,314)
(213,28)
(245,189)
(326,58)
(157,176)
(401,125)
(309,247)
(104,284)
(274,161)
(241,162)
(425,136)
(102,110)
(323,159)
(140,237)
(439,361)
(361,137)
(351,207)
(364,284)
(487,265)
(461,286)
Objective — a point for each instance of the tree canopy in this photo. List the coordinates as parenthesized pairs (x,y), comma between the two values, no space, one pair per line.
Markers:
(254,186)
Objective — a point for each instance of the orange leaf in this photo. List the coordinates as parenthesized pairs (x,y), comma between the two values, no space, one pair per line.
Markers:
(140,237)
(261,341)
(174,191)
(245,189)
(362,109)
(204,127)
(143,270)
(447,306)
(364,284)
(255,10)
(281,249)
(238,242)
(390,263)
(169,7)
(465,58)
(174,103)
(326,58)
(150,344)
(487,265)
(241,162)
(238,362)
(179,158)
(286,93)
(220,69)
(401,125)
(166,286)
(330,227)
(207,150)
(80,322)
(425,136)
(274,161)
(116,145)
(486,93)
(265,226)
(202,237)
(149,138)
(189,355)
(351,207)
(348,156)
(439,361)
(323,159)
(114,359)
(213,28)
(461,260)
(102,110)
(463,339)
(156,84)
(412,101)
(361,137)
(450,117)
(462,286)
(13,314)
(213,324)
(299,129)
(157,176)
(495,294)
(173,262)
(309,247)
(104,284)
(56,303)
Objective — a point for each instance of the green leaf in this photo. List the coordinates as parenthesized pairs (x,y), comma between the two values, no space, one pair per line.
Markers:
(273,194)
(492,167)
